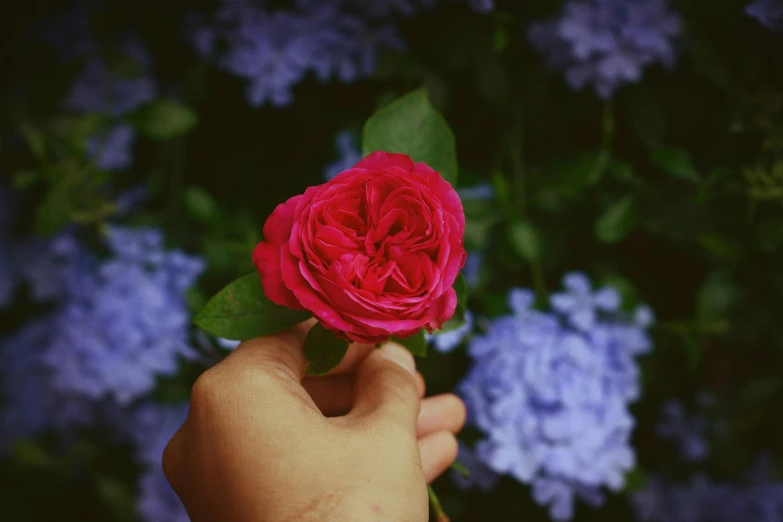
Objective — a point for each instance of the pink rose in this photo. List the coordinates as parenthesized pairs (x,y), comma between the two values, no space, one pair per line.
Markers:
(372,253)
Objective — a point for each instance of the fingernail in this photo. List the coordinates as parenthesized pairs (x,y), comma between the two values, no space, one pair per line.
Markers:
(398,355)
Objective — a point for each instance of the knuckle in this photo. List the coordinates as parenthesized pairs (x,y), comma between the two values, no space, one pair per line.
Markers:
(397,382)
(204,389)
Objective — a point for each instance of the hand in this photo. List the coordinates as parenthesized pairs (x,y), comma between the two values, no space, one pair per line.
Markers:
(263,443)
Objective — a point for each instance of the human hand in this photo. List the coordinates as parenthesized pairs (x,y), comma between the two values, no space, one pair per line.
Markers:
(264,443)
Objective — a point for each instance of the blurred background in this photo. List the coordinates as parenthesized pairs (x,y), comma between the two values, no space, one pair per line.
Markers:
(621,169)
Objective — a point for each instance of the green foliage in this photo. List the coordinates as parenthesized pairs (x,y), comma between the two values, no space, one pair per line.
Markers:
(412,126)
(617,221)
(241,311)
(416,344)
(164,119)
(525,240)
(323,350)
(676,162)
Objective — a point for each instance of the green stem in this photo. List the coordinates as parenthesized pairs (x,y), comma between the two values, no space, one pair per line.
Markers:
(519,184)
(607,139)
(537,274)
(437,509)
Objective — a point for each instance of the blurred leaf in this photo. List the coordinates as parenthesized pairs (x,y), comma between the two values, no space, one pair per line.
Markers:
(618,220)
(323,350)
(416,344)
(118,497)
(622,171)
(460,468)
(635,480)
(200,205)
(241,311)
(164,119)
(412,126)
(717,295)
(24,179)
(30,454)
(524,237)
(760,390)
(456,321)
(35,141)
(480,217)
(676,162)
(500,38)
(77,194)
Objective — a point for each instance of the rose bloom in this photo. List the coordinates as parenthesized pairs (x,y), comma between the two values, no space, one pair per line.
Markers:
(373,252)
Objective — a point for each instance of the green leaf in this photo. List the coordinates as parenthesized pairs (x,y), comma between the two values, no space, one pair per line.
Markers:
(676,162)
(416,344)
(618,220)
(117,497)
(524,238)
(31,454)
(460,468)
(241,311)
(635,480)
(164,119)
(412,126)
(716,297)
(323,350)
(200,205)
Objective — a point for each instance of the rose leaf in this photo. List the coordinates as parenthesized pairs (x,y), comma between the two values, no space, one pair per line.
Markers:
(241,311)
(412,126)
(323,350)
(416,343)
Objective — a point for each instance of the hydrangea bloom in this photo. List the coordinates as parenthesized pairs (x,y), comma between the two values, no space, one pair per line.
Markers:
(472,268)
(349,154)
(122,321)
(608,43)
(102,88)
(150,427)
(276,50)
(688,431)
(768,12)
(756,499)
(551,394)
(31,404)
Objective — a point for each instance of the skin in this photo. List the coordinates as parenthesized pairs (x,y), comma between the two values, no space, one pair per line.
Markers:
(264,443)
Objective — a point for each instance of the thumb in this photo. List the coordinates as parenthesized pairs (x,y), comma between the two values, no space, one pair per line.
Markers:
(386,389)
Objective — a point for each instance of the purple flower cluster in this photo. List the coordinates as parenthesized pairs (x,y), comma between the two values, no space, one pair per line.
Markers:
(768,12)
(150,427)
(114,89)
(118,323)
(550,391)
(608,43)
(757,499)
(689,432)
(276,50)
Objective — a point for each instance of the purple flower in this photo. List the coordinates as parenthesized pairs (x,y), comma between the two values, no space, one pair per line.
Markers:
(31,404)
(113,149)
(552,397)
(158,502)
(150,426)
(482,191)
(580,304)
(689,432)
(120,322)
(101,88)
(608,43)
(755,498)
(768,12)
(349,154)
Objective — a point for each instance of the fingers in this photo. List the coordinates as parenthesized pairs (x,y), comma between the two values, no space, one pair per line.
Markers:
(333,394)
(440,413)
(281,351)
(438,451)
(386,392)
